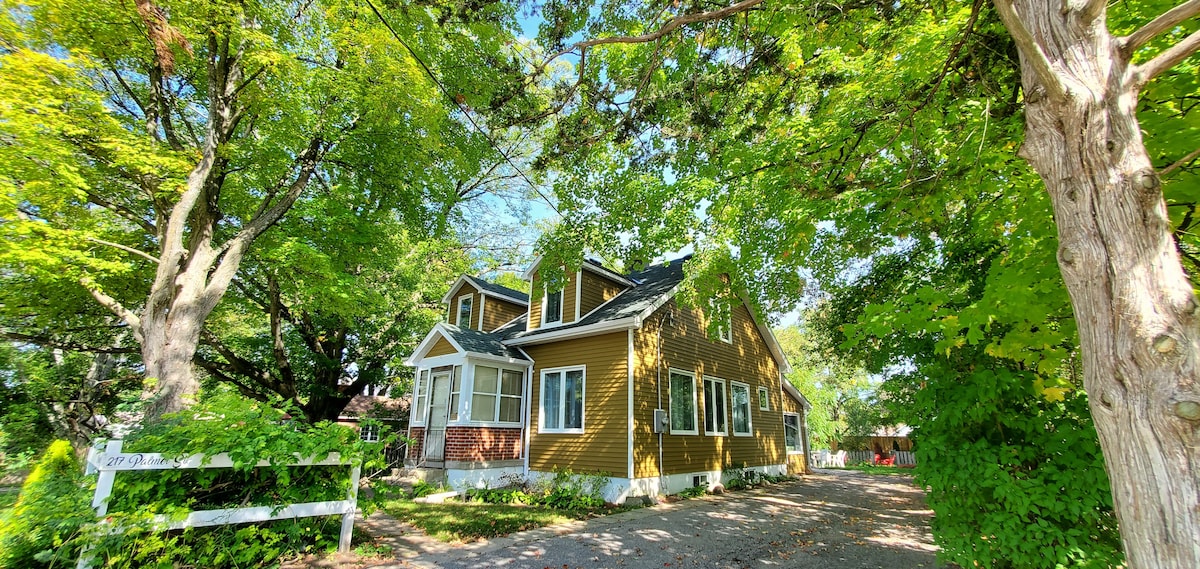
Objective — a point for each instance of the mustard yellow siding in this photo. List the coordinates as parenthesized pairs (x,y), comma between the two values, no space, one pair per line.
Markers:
(538,298)
(686,346)
(603,446)
(569,298)
(464,289)
(440,348)
(497,313)
(790,405)
(595,291)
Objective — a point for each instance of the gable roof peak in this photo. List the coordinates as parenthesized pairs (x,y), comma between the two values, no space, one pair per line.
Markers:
(488,289)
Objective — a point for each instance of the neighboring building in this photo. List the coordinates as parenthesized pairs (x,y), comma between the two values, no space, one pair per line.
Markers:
(892,438)
(375,402)
(574,379)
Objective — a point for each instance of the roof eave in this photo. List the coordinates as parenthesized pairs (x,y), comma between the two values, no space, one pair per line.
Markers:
(627,323)
(453,287)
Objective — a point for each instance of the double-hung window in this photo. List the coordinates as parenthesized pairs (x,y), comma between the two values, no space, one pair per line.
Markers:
(496,397)
(554,306)
(562,400)
(464,311)
(455,393)
(369,433)
(683,403)
(740,394)
(723,316)
(791,432)
(421,398)
(714,406)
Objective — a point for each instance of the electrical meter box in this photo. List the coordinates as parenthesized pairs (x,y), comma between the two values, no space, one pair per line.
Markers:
(660,421)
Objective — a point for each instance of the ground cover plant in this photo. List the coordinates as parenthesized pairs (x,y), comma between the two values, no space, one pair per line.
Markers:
(869,468)
(491,512)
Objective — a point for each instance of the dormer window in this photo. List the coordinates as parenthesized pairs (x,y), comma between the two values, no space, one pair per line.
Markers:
(554,306)
(464,312)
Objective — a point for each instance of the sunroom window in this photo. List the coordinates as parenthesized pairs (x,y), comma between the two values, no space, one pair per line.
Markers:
(497,395)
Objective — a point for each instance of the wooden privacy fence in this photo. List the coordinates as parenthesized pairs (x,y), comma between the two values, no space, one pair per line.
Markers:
(111,460)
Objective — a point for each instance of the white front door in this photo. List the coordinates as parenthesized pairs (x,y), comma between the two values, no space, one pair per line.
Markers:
(439,402)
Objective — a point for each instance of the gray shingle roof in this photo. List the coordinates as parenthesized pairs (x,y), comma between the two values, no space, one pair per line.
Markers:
(483,342)
(651,285)
(500,290)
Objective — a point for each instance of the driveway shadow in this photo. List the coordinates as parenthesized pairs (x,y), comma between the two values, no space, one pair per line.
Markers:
(831,519)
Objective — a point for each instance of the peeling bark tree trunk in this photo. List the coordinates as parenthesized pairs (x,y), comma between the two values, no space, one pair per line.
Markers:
(1135,308)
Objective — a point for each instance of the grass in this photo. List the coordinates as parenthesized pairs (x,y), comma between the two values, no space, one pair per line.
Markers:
(878,470)
(464,522)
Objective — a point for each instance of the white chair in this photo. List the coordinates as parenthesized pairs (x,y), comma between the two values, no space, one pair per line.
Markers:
(838,459)
(822,458)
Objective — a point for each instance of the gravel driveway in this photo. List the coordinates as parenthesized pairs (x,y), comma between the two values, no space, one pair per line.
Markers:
(832,519)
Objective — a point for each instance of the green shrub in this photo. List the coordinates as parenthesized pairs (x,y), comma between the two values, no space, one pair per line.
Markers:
(500,496)
(693,492)
(1014,478)
(41,528)
(565,490)
(248,432)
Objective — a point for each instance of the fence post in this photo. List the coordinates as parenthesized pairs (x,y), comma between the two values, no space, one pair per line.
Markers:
(348,517)
(104,484)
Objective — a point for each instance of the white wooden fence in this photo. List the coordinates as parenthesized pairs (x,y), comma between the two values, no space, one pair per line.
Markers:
(904,457)
(111,460)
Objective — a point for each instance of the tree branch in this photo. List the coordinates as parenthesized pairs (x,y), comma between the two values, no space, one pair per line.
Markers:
(135,323)
(1163,23)
(1179,163)
(64,344)
(1030,49)
(1169,58)
(277,345)
(669,27)
(124,248)
(123,211)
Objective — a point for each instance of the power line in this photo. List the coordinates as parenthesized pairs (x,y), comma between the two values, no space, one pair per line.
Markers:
(460,106)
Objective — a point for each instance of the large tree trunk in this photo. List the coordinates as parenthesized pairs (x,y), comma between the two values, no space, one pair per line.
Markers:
(1135,308)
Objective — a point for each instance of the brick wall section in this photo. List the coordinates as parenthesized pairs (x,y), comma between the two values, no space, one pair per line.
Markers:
(474,444)
(416,449)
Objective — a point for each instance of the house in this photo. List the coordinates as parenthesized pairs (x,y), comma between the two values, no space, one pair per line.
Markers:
(375,402)
(608,374)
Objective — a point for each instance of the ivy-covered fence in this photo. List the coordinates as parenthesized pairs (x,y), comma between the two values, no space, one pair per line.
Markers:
(111,460)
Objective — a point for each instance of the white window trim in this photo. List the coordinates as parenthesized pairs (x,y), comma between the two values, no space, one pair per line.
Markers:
(764,391)
(369,433)
(454,412)
(671,406)
(546,302)
(458,315)
(725,329)
(542,398)
(799,443)
(496,408)
(420,421)
(749,406)
(482,303)
(724,395)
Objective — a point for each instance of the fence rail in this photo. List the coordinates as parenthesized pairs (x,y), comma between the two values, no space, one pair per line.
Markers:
(111,460)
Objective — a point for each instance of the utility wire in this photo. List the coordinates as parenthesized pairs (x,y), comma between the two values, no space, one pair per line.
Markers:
(460,106)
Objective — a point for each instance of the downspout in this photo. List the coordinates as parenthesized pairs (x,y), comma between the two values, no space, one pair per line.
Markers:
(528,421)
(668,315)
